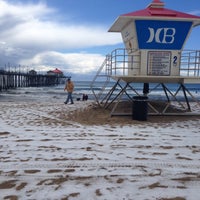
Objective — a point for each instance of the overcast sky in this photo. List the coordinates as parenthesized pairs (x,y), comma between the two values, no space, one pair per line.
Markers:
(71,35)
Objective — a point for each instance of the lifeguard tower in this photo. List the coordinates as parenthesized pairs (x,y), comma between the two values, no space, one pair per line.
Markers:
(153,56)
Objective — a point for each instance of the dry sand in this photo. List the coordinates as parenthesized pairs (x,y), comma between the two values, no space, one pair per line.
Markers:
(96,115)
(55,151)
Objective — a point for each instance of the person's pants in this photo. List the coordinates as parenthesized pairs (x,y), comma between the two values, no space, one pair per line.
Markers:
(69,97)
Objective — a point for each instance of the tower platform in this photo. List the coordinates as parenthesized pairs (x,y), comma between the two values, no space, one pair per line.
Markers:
(160,79)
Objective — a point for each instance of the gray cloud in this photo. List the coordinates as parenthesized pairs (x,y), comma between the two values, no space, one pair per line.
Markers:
(30,36)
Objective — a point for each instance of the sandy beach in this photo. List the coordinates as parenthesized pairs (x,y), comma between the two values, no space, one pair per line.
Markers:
(53,151)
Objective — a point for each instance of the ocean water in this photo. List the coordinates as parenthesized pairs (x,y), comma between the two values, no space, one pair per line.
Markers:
(84,87)
(55,93)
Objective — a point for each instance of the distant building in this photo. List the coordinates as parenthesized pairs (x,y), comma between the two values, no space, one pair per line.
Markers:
(56,72)
(32,72)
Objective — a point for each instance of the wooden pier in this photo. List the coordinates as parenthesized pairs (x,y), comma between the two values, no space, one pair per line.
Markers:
(11,80)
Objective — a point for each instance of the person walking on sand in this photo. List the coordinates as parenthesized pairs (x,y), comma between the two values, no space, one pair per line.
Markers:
(70,88)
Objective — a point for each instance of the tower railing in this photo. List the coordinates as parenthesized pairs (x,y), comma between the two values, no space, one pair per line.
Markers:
(190,63)
(122,62)
(119,62)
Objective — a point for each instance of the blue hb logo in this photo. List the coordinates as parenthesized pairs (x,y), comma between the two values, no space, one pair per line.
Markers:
(155,34)
(167,34)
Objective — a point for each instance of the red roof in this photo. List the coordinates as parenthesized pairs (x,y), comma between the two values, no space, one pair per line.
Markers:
(57,71)
(160,12)
(154,10)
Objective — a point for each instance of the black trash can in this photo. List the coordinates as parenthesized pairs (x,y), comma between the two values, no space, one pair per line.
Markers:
(140,108)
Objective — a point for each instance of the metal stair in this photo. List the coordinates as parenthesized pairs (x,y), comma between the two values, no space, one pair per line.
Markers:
(103,79)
